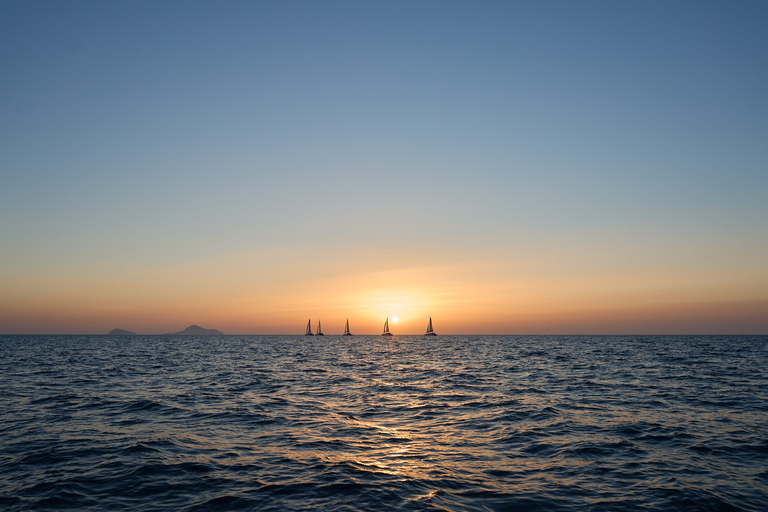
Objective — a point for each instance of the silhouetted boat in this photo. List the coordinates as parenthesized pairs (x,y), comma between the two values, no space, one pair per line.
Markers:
(346,329)
(309,328)
(386,328)
(430,331)
(319,330)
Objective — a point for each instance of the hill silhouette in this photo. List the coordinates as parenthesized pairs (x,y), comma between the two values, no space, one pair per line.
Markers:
(195,330)
(121,332)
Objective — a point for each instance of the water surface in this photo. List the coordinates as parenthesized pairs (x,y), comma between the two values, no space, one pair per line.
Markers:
(367,423)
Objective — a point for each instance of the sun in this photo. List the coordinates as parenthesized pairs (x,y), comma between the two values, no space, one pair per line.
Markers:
(395,319)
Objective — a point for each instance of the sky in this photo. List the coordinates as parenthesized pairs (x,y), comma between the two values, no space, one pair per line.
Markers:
(552,167)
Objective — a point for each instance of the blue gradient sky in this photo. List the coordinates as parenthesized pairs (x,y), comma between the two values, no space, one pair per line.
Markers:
(503,166)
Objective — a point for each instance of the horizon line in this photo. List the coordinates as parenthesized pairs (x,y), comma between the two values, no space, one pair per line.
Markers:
(402,334)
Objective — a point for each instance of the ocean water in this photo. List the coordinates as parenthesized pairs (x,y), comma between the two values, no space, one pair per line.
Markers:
(368,423)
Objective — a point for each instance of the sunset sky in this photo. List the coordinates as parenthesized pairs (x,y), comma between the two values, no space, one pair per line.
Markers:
(503,167)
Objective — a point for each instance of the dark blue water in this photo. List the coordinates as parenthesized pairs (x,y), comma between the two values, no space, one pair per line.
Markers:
(369,423)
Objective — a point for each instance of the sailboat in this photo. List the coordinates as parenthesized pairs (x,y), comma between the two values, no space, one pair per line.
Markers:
(386,328)
(319,330)
(309,328)
(430,331)
(346,329)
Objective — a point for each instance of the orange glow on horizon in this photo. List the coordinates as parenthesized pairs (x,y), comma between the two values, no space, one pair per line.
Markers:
(237,296)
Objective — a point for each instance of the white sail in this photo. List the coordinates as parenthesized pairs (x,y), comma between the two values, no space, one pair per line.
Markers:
(346,329)
(319,329)
(309,328)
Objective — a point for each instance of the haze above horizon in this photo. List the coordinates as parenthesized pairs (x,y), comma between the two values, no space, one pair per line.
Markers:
(503,167)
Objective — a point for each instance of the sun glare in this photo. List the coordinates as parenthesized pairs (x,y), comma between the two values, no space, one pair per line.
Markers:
(395,319)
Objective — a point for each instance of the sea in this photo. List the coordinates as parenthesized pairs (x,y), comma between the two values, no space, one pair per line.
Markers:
(369,423)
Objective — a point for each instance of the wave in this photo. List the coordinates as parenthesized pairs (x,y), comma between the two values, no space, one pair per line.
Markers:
(459,423)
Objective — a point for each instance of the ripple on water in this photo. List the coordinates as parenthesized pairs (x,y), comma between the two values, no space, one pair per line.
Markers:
(456,423)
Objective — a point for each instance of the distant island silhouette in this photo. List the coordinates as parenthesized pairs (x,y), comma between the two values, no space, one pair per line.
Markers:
(121,332)
(194,329)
